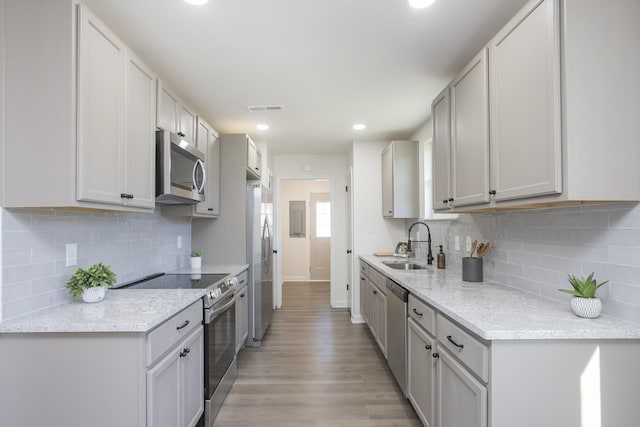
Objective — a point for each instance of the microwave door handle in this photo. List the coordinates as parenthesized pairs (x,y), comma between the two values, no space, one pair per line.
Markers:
(200,187)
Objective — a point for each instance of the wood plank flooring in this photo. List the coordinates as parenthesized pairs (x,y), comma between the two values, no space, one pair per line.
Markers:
(314,368)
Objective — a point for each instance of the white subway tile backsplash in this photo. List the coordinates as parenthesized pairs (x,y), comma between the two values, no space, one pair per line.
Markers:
(33,251)
(535,250)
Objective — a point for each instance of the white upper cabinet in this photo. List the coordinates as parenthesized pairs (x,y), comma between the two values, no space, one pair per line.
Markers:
(470,133)
(254,160)
(209,143)
(524,86)
(441,158)
(101,111)
(557,127)
(174,115)
(85,122)
(400,181)
(139,152)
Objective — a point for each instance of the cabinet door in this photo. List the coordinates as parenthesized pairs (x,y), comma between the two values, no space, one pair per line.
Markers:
(242,319)
(163,400)
(387,182)
(192,378)
(461,399)
(421,372)
(187,123)
(470,133)
(373,309)
(139,147)
(525,104)
(252,159)
(167,109)
(441,158)
(101,111)
(382,322)
(202,144)
(213,174)
(364,297)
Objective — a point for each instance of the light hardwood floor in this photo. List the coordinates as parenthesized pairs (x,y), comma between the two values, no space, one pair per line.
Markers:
(314,368)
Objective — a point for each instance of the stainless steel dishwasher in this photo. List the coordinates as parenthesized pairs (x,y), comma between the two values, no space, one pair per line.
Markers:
(397,332)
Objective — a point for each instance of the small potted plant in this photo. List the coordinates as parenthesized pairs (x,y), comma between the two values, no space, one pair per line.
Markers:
(196,259)
(91,284)
(584,302)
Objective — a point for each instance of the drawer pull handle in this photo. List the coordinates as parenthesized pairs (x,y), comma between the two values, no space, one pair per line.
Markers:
(184,325)
(460,346)
(427,347)
(417,312)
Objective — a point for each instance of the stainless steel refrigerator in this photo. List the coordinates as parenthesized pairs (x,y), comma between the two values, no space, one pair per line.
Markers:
(260,260)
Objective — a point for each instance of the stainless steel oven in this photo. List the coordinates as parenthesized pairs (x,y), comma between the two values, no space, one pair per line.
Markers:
(220,345)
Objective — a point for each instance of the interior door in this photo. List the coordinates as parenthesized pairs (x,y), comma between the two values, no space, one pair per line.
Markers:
(349,243)
(320,237)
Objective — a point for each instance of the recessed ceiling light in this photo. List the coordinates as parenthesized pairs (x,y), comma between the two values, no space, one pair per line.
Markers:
(358,126)
(262,126)
(421,4)
(196,2)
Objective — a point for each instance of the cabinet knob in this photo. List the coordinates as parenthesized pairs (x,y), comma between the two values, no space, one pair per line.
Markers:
(130,196)
(242,295)
(450,199)
(427,347)
(435,355)
(348,251)
(210,209)
(445,201)
(361,278)
(181,134)
(184,352)
(123,195)
(274,251)
(492,192)
(375,292)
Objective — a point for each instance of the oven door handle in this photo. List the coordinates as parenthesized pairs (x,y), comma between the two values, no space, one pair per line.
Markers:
(211,314)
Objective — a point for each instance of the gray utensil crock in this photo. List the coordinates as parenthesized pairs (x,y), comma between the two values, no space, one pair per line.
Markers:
(472,269)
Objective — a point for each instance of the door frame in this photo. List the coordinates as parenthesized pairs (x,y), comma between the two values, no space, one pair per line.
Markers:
(277,200)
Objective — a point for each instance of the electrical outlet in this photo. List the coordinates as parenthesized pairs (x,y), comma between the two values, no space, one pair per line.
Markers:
(456,243)
(72,254)
(467,244)
(179,242)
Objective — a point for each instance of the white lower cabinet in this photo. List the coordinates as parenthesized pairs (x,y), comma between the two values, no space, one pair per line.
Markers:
(242,317)
(421,372)
(365,290)
(175,384)
(461,399)
(373,304)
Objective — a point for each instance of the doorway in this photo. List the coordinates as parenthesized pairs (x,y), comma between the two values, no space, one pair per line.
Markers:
(306,223)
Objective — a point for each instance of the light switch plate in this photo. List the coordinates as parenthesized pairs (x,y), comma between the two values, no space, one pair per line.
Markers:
(456,243)
(72,254)
(467,244)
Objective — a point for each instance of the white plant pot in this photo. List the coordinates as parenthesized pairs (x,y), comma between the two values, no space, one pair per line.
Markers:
(94,294)
(589,308)
(196,262)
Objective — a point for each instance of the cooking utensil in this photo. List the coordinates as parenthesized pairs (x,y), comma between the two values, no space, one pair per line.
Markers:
(484,247)
(474,244)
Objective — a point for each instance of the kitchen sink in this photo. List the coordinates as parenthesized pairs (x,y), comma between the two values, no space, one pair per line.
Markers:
(404,265)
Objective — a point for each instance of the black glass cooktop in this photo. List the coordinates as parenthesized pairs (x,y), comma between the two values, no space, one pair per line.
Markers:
(176,281)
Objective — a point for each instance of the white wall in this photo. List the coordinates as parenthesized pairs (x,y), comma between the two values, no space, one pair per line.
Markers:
(334,168)
(295,251)
(371,232)
(33,251)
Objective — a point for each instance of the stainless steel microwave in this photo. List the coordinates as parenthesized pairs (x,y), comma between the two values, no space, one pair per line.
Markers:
(180,171)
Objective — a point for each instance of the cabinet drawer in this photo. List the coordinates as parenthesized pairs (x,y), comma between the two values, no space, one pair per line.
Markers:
(169,333)
(379,279)
(424,315)
(473,353)
(243,279)
(364,268)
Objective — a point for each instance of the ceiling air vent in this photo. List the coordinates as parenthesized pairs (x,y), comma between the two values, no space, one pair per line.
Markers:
(259,108)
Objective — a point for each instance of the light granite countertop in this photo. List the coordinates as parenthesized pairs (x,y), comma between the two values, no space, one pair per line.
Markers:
(496,312)
(122,310)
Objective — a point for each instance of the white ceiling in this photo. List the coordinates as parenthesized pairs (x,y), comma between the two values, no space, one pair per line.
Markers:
(330,63)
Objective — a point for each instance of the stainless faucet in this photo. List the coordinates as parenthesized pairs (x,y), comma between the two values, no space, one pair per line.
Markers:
(430,254)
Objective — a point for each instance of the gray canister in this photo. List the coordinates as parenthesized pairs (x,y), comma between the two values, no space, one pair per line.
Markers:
(472,269)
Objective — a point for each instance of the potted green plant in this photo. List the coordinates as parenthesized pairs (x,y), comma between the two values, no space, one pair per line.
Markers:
(91,284)
(584,302)
(196,259)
